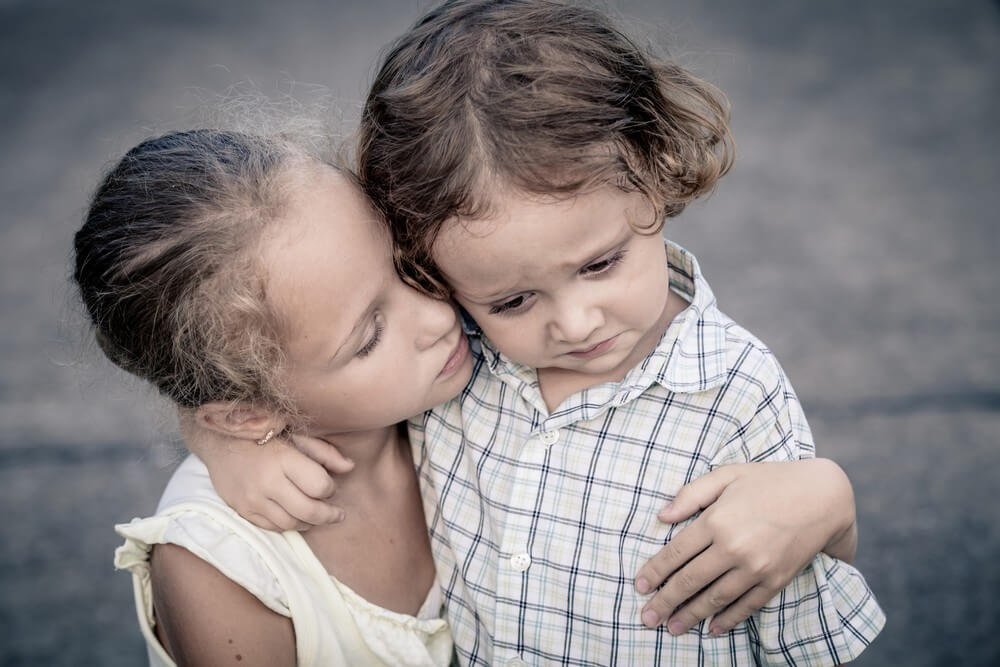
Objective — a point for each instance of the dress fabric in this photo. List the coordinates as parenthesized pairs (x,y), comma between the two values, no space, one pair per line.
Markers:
(333,624)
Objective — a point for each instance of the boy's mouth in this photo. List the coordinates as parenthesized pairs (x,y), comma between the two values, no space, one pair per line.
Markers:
(594,350)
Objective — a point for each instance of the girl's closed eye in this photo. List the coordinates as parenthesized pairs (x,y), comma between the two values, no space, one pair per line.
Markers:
(511,306)
(373,340)
(604,265)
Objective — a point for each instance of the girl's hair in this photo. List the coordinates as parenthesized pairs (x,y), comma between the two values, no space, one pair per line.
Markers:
(167,269)
(531,96)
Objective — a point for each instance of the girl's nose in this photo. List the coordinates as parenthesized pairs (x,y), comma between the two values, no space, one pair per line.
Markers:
(434,319)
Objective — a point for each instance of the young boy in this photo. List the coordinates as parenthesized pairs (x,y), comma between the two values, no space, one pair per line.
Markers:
(526,155)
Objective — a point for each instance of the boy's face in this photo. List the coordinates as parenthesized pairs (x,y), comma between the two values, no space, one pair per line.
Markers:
(562,284)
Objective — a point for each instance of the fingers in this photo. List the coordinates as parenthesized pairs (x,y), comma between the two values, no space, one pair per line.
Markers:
(303,509)
(727,588)
(261,521)
(273,517)
(700,572)
(739,611)
(323,453)
(308,476)
(685,545)
(697,495)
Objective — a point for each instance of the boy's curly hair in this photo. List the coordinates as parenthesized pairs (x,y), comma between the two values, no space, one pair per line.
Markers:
(534,96)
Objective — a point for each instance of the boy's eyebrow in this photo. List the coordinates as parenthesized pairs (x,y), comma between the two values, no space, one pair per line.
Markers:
(614,246)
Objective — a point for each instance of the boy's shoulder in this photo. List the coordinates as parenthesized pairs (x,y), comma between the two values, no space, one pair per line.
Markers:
(704,348)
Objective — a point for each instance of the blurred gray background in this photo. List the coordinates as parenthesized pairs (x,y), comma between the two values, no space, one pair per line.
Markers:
(857,235)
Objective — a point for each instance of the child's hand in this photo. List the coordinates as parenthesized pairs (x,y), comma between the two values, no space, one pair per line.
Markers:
(275,486)
(763,522)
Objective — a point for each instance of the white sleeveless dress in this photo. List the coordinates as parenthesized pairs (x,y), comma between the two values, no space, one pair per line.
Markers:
(333,624)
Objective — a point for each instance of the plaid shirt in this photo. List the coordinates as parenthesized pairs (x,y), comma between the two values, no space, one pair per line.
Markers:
(539,521)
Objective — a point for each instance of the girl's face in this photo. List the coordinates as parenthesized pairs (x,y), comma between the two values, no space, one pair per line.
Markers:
(363,350)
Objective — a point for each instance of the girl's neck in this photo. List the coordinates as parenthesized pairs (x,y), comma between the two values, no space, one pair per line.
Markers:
(375,454)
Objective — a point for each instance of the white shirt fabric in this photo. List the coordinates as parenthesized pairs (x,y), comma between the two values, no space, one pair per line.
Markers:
(540,520)
(333,624)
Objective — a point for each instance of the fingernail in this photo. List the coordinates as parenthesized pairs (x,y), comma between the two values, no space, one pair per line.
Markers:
(676,627)
(642,585)
(650,618)
(338,518)
(665,512)
(714,630)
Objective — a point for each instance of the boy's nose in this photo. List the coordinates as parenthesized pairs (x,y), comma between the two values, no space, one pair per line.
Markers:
(574,323)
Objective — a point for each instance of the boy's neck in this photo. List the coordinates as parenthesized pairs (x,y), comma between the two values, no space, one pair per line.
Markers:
(558,384)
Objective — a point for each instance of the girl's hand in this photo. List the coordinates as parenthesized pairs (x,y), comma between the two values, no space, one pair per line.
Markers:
(278,486)
(762,524)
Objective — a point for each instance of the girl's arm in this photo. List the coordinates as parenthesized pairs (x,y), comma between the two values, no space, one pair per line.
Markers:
(281,485)
(762,523)
(205,618)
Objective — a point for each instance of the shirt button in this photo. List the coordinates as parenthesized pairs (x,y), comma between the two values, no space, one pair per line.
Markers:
(516,662)
(549,437)
(520,562)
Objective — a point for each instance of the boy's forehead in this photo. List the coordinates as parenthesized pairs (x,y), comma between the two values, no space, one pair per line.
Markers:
(530,239)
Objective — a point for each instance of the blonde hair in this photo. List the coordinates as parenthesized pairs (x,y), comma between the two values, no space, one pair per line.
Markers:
(167,264)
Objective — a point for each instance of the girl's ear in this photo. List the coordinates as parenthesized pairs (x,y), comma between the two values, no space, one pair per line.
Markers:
(237,421)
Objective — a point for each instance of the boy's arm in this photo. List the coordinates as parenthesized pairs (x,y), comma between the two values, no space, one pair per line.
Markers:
(763,522)
(205,618)
(278,486)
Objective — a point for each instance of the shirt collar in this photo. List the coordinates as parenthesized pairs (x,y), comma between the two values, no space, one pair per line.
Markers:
(691,355)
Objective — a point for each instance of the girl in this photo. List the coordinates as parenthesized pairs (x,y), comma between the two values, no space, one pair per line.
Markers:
(250,282)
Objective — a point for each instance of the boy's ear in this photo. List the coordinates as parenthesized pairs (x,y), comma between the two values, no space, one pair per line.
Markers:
(237,421)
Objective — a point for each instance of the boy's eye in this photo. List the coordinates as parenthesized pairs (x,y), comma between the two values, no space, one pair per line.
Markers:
(510,306)
(605,264)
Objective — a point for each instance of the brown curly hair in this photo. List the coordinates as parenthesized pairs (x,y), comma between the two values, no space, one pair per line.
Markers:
(534,96)
(166,264)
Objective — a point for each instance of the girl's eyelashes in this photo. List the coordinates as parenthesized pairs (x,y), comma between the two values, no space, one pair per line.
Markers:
(510,306)
(370,344)
(604,265)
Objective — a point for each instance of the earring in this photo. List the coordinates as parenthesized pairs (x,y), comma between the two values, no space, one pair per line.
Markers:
(267,438)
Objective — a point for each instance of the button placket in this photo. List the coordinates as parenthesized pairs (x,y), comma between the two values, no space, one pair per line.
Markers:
(515,562)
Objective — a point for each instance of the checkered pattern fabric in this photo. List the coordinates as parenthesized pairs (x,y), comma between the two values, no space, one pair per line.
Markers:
(539,521)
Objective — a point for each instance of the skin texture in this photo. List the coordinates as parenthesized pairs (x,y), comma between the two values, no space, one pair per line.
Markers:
(205,618)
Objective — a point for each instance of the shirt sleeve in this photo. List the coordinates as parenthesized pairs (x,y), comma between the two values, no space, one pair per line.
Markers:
(827,615)
(771,425)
